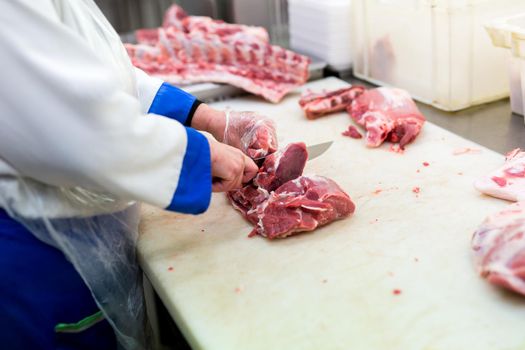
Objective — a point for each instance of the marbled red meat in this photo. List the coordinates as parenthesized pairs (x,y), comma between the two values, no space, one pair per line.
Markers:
(280,202)
(302,205)
(317,104)
(282,166)
(272,174)
(387,114)
(499,248)
(192,49)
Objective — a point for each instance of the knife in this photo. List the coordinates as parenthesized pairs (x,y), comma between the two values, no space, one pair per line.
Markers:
(316,150)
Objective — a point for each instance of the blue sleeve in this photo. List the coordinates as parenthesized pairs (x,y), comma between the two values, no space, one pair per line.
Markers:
(193,193)
(174,103)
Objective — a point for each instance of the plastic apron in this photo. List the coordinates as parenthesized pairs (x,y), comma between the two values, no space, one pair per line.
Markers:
(100,241)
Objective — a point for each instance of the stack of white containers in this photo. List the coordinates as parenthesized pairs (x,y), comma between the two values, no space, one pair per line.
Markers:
(509,33)
(438,50)
(322,28)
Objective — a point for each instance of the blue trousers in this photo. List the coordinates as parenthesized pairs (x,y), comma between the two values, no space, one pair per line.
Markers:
(39,289)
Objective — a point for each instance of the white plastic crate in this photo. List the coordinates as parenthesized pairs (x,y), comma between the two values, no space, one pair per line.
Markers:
(509,33)
(436,49)
(322,28)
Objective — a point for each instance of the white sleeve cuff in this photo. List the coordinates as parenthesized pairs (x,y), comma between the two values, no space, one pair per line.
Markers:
(147,88)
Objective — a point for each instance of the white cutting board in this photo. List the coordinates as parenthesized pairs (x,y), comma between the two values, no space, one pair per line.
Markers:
(334,288)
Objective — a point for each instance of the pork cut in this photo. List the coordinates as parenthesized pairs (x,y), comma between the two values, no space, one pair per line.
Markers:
(281,202)
(499,248)
(317,104)
(507,182)
(300,205)
(387,114)
(280,167)
(189,49)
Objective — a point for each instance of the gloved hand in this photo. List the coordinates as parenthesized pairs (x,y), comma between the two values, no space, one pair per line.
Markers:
(230,167)
(250,132)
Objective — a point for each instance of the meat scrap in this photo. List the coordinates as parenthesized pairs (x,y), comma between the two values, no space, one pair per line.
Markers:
(499,248)
(317,104)
(387,114)
(507,182)
(281,201)
(352,132)
(190,49)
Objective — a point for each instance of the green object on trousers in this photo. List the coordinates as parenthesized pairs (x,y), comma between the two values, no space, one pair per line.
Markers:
(81,325)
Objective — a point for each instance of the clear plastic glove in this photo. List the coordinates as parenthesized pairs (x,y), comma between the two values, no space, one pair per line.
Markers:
(250,132)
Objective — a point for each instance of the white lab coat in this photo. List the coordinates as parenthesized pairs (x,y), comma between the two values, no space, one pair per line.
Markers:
(73,113)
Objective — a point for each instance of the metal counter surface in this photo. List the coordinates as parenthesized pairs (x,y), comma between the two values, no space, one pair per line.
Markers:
(492,125)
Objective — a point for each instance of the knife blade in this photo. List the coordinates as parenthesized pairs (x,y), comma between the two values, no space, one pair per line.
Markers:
(316,150)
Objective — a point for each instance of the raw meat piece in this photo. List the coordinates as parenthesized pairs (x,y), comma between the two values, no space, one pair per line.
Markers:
(281,167)
(198,49)
(499,246)
(281,202)
(277,169)
(352,132)
(174,16)
(302,205)
(316,104)
(220,28)
(507,182)
(387,113)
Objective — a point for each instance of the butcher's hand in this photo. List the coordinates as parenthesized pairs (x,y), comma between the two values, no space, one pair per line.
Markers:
(230,168)
(250,132)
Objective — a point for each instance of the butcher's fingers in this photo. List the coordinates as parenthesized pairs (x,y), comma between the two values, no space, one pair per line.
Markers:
(250,170)
(223,185)
(229,167)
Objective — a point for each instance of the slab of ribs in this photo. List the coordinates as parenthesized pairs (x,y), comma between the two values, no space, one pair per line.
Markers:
(194,49)
(280,201)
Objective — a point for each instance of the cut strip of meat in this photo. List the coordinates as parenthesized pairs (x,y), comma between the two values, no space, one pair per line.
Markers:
(280,202)
(499,248)
(198,49)
(317,104)
(387,114)
(507,182)
(282,166)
